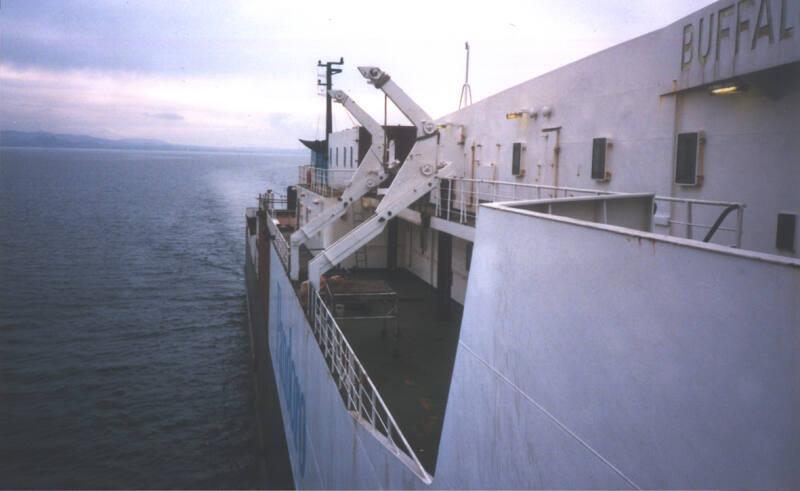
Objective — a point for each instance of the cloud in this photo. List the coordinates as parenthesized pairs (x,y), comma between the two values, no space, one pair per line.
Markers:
(244,71)
(166,116)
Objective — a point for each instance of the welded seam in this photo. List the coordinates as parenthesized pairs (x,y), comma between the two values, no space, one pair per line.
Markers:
(553,418)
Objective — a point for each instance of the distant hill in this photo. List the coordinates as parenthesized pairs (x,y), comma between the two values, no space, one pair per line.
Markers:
(11,138)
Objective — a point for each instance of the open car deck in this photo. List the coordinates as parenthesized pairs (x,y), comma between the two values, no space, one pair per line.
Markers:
(413,365)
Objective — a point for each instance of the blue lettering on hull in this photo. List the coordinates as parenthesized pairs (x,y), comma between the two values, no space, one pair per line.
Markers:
(293,395)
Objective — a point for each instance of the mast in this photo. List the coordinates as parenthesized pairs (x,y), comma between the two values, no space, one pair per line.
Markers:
(330,71)
(466,91)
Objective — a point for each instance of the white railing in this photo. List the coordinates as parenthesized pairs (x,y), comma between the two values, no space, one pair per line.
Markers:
(356,388)
(461,203)
(465,195)
(273,204)
(279,241)
(733,224)
(325,182)
(270,202)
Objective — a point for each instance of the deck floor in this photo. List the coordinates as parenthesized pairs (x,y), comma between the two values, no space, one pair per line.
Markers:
(413,370)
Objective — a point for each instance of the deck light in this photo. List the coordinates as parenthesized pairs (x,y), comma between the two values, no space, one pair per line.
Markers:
(725,89)
(525,113)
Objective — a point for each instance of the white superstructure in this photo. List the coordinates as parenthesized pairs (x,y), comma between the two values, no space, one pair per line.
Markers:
(621,234)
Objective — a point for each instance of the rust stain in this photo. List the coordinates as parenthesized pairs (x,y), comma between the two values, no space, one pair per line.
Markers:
(425,403)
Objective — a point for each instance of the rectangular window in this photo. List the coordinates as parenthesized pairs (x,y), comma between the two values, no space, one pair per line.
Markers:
(599,146)
(469,255)
(337,156)
(351,157)
(686,165)
(784,240)
(516,159)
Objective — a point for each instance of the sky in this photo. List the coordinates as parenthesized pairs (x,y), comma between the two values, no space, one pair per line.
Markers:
(243,73)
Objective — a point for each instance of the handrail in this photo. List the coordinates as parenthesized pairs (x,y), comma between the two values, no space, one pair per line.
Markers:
(279,241)
(697,201)
(465,195)
(324,181)
(358,392)
(270,201)
(737,229)
(534,186)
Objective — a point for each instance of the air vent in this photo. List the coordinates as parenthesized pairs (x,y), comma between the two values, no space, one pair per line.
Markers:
(599,157)
(516,159)
(688,169)
(787,224)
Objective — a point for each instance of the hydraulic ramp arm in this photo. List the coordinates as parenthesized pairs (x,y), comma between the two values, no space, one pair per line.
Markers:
(369,175)
(419,173)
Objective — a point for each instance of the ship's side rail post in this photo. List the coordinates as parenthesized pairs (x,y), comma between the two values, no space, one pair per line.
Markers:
(462,217)
(739,226)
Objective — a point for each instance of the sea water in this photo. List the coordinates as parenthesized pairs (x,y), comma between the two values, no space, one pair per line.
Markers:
(124,352)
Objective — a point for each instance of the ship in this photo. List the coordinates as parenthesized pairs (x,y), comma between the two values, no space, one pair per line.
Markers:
(589,280)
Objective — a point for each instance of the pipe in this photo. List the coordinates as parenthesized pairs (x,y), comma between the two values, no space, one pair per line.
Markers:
(719,221)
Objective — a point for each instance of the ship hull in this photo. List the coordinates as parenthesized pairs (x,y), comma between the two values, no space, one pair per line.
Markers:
(328,447)
(274,468)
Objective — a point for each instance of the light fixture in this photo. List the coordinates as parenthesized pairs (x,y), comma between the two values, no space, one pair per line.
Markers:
(525,113)
(728,88)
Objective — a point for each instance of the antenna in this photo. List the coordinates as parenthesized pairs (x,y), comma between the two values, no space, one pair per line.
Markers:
(328,84)
(466,91)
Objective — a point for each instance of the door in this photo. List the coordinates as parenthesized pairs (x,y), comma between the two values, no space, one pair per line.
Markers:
(444,275)
(547,168)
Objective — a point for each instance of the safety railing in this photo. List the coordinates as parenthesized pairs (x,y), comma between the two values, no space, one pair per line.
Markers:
(704,216)
(325,182)
(279,241)
(358,393)
(458,200)
(274,204)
